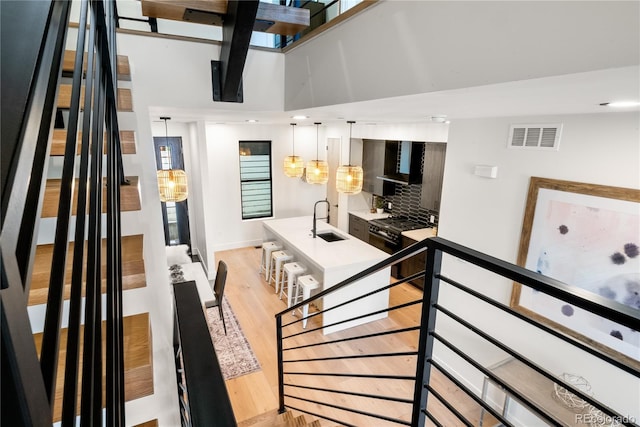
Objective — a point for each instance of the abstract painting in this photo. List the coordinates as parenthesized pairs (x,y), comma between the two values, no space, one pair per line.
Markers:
(587,236)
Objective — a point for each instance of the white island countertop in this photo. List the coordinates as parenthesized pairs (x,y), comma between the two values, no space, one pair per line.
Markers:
(327,255)
(331,263)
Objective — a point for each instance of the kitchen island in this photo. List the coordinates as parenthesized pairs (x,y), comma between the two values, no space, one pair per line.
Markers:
(331,263)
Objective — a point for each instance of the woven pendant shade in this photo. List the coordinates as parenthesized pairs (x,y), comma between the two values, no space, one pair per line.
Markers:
(172,184)
(349,179)
(317,170)
(293,166)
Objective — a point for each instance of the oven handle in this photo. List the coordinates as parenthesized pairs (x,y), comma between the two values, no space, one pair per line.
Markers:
(380,236)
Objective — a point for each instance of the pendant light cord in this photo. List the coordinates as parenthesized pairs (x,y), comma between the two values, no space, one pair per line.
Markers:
(293,140)
(317,137)
(351,122)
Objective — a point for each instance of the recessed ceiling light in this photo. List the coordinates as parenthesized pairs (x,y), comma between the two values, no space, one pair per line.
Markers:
(621,104)
(252,121)
(439,119)
(299,117)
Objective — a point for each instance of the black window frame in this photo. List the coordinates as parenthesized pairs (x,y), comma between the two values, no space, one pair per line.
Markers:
(253,148)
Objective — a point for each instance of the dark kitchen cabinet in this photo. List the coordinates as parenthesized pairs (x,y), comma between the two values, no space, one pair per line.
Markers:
(432,174)
(359,228)
(414,264)
(373,165)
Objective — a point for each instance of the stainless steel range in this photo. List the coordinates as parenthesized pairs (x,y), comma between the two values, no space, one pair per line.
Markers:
(385,233)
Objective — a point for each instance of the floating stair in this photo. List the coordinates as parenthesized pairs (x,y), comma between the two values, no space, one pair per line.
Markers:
(59,142)
(69,59)
(129,198)
(133,274)
(138,365)
(125,102)
(275,419)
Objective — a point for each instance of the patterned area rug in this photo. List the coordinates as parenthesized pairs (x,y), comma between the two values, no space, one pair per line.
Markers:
(233,350)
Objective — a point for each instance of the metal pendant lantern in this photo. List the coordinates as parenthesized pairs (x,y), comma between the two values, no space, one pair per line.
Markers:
(293,165)
(349,177)
(317,170)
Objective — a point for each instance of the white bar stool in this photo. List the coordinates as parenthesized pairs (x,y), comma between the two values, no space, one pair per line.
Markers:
(290,271)
(278,259)
(265,262)
(306,284)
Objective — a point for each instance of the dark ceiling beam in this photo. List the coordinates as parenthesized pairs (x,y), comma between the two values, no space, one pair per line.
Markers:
(236,35)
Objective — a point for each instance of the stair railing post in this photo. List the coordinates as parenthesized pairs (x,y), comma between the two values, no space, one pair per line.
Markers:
(427,326)
(280,364)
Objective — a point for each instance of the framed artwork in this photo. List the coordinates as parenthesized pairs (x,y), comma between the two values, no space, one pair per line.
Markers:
(586,236)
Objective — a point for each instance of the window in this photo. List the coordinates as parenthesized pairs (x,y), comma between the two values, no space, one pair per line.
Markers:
(255,179)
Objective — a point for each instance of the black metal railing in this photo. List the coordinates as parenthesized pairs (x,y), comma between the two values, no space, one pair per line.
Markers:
(33,42)
(436,357)
(202,393)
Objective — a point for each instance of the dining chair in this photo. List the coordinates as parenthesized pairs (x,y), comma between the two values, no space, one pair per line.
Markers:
(218,291)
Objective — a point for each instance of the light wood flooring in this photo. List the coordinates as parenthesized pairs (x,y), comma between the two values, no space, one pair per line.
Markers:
(255,305)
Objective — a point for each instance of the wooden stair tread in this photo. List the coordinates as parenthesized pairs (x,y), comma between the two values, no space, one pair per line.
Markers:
(125,101)
(150,423)
(284,20)
(274,419)
(129,197)
(133,273)
(138,360)
(59,142)
(69,59)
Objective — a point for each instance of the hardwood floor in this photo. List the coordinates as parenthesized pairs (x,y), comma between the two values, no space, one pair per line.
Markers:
(255,305)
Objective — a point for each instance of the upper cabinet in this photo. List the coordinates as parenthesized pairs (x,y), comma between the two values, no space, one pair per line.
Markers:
(373,165)
(433,171)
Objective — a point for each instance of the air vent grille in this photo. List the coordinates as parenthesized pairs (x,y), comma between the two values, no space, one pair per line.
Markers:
(535,136)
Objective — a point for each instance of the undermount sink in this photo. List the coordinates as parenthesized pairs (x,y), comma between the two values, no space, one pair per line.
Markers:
(330,236)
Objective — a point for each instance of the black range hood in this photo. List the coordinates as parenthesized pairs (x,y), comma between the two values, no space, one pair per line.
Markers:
(402,162)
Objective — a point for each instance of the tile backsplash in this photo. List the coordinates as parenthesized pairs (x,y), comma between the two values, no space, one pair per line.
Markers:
(406,202)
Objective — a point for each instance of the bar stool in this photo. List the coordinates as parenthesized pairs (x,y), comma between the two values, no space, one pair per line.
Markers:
(265,262)
(290,271)
(306,284)
(278,259)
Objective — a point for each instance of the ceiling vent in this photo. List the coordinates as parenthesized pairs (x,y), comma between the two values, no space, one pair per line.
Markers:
(538,136)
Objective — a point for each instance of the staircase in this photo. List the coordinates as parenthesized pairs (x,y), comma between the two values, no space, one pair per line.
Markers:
(276,419)
(68,348)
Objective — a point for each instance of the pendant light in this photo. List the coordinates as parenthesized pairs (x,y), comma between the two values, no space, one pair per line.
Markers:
(349,177)
(293,165)
(172,183)
(317,170)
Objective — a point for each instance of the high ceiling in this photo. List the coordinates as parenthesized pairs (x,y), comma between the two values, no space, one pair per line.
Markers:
(569,94)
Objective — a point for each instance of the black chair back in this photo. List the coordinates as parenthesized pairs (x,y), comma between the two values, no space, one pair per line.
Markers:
(221,279)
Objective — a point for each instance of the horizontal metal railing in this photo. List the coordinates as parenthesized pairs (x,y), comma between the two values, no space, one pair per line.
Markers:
(433,344)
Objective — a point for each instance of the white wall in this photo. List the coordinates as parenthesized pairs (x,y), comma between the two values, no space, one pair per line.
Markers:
(486,214)
(291,196)
(406,47)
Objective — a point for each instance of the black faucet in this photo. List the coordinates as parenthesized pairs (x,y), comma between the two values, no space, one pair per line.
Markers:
(313,230)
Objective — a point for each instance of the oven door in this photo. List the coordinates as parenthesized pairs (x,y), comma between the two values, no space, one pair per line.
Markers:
(387,246)
(383,244)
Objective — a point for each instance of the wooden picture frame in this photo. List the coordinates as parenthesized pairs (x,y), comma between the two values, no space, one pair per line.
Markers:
(585,235)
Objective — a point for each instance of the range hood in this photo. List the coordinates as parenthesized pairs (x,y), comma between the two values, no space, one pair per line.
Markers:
(402,162)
